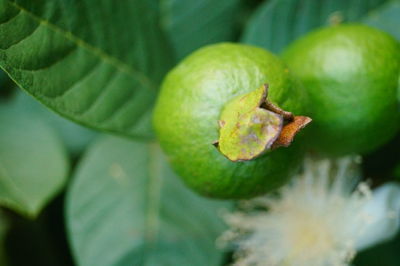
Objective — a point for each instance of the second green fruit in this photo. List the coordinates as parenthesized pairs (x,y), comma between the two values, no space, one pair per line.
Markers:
(351,74)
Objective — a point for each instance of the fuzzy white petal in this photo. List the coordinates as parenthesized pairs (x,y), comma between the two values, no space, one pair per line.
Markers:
(384,210)
(320,219)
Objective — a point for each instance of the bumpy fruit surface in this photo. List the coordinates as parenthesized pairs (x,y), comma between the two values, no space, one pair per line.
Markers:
(351,75)
(189,106)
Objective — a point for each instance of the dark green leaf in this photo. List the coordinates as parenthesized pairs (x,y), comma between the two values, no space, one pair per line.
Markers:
(94,61)
(386,18)
(191,24)
(3,232)
(126,207)
(396,172)
(278,22)
(384,254)
(33,162)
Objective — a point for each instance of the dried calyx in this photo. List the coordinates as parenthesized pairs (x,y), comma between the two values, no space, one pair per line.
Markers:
(251,125)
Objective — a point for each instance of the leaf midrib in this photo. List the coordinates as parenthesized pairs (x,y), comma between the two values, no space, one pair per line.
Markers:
(97,52)
(153,197)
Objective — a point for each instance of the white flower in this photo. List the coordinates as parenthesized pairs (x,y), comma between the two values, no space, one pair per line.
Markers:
(385,210)
(321,219)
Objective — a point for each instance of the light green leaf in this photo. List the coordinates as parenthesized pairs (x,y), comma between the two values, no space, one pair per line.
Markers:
(386,18)
(191,24)
(276,23)
(33,162)
(126,207)
(94,61)
(75,137)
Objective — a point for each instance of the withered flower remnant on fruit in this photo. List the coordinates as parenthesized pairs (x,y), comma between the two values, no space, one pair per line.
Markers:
(251,125)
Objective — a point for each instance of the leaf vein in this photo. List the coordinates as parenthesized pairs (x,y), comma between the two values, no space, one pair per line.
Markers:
(114,112)
(102,91)
(78,81)
(153,198)
(142,78)
(23,38)
(10,18)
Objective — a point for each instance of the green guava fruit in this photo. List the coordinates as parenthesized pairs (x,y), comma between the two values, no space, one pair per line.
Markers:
(203,91)
(351,75)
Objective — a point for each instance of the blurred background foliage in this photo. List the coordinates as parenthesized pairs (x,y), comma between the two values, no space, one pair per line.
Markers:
(72,195)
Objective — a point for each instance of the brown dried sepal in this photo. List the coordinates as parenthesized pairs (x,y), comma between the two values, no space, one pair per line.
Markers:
(290,130)
(277,110)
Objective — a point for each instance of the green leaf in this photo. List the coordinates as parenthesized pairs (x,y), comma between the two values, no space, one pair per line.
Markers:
(33,162)
(384,254)
(386,18)
(95,62)
(3,232)
(75,137)
(276,23)
(396,172)
(126,207)
(191,24)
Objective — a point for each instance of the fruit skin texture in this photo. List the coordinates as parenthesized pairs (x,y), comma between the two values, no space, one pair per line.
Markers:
(187,111)
(351,75)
